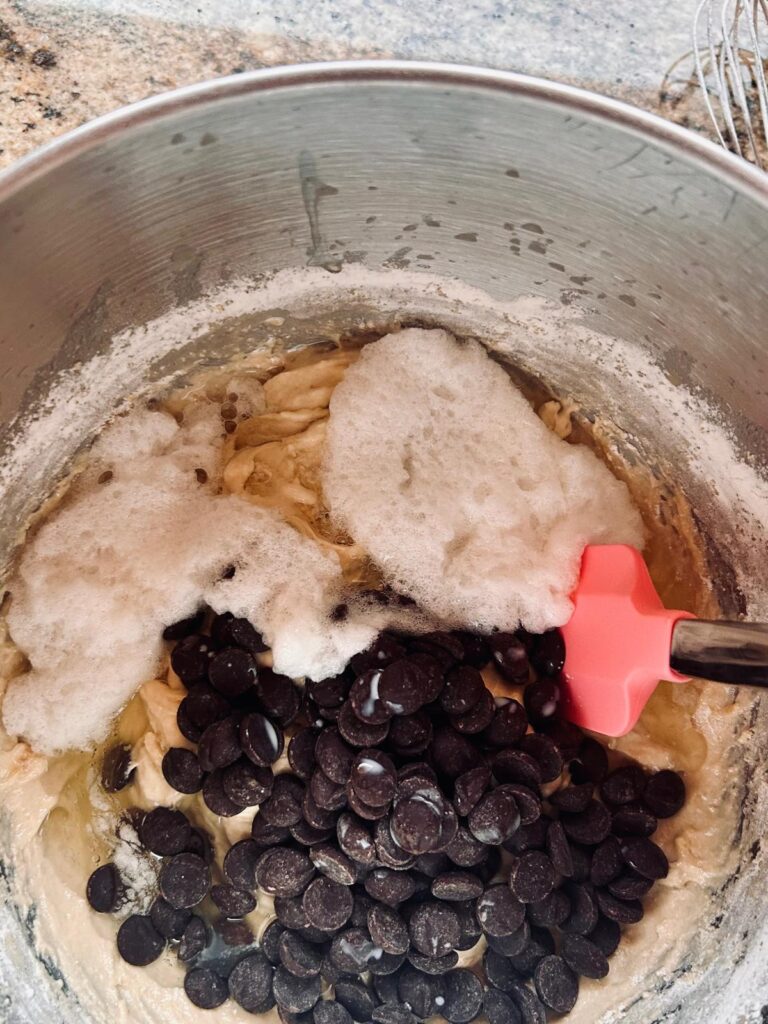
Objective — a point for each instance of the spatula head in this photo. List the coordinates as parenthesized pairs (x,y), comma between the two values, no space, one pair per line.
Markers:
(617,642)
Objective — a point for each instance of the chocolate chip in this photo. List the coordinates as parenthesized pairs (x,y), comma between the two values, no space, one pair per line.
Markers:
(621,911)
(633,821)
(528,803)
(556,983)
(390,887)
(630,886)
(606,935)
(510,945)
(284,872)
(573,799)
(499,971)
(388,852)
(533,877)
(373,778)
(352,951)
(240,864)
(190,659)
(648,859)
(117,768)
(366,701)
(422,820)
(233,932)
(182,771)
(432,677)
(185,880)
(540,944)
(333,864)
(138,943)
(495,818)
(477,718)
(589,827)
(104,889)
(232,671)
(417,769)
(559,849)
(509,656)
(500,1008)
(165,831)
(270,941)
(566,735)
(410,735)
(184,627)
(446,647)
(299,956)
(529,1005)
(355,839)
(435,965)
(233,902)
(664,794)
(201,845)
(284,806)
(186,726)
(464,686)
(582,862)
(507,727)
(457,885)
(334,757)
(388,929)
(469,787)
(205,988)
(590,764)
(404,687)
(238,632)
(541,700)
(301,753)
(498,912)
(194,939)
(470,929)
(260,740)
(267,835)
(250,983)
(355,997)
(583,916)
(220,744)
(421,992)
(382,651)
(327,904)
(548,655)
(452,753)
(544,751)
(623,786)
(607,862)
(517,766)
(463,996)
(551,911)
(216,797)
(584,957)
(246,784)
(329,796)
(328,1011)
(529,837)
(357,732)
(278,696)
(166,920)
(393,1013)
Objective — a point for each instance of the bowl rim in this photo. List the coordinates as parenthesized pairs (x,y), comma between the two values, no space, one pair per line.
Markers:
(731,170)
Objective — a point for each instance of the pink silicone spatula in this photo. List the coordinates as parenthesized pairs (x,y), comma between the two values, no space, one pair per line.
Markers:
(621,640)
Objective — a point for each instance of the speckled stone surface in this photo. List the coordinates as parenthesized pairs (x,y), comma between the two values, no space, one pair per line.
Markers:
(64,63)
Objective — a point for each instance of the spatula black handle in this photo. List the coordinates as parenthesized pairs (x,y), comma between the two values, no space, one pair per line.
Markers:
(724,652)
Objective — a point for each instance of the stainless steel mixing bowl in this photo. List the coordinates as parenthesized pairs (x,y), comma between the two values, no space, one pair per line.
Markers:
(510,184)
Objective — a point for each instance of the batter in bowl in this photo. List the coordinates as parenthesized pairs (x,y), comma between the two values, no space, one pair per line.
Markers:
(261,435)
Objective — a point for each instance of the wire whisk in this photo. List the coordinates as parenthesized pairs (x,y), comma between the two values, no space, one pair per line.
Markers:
(730,50)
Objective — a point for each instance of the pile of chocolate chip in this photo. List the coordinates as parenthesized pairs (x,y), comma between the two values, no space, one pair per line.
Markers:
(420,816)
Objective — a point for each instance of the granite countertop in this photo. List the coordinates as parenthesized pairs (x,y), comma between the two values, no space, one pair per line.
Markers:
(65,62)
